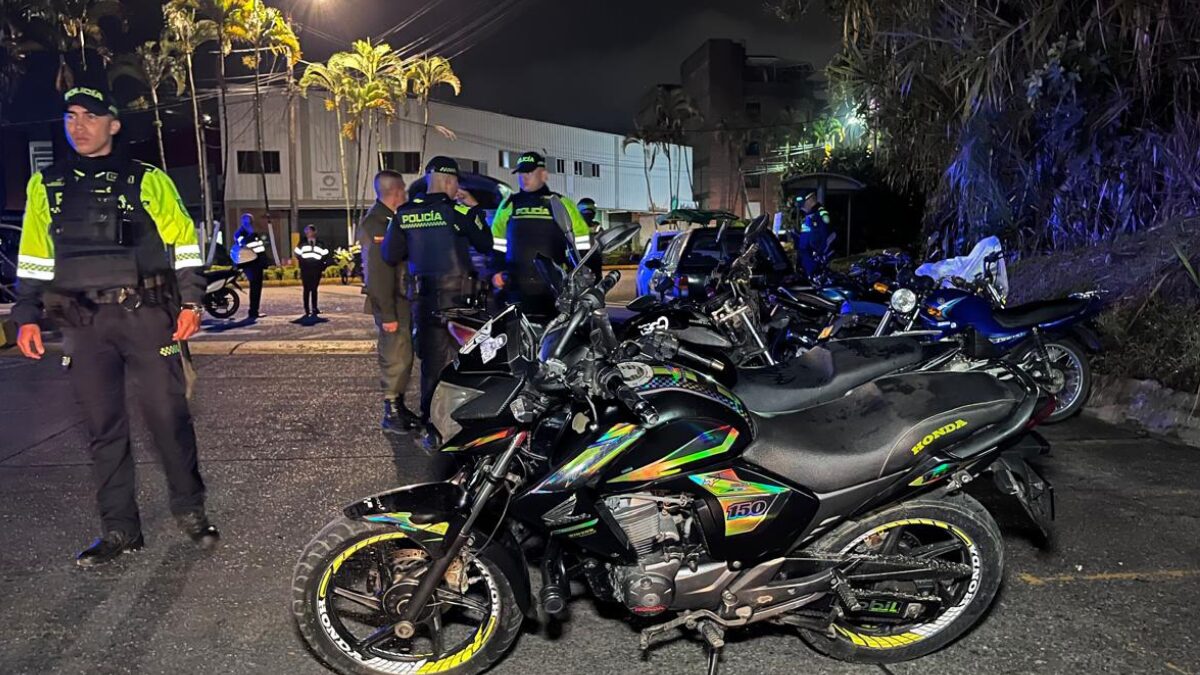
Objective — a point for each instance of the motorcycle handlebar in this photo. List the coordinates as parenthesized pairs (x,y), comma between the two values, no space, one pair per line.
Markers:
(711,364)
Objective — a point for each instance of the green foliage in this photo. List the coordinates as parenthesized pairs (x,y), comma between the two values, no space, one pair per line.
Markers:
(1056,123)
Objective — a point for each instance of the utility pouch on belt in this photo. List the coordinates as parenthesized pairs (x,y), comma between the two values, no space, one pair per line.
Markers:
(69,311)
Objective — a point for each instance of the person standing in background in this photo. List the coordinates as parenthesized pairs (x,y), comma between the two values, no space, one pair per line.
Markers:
(313,256)
(386,288)
(250,255)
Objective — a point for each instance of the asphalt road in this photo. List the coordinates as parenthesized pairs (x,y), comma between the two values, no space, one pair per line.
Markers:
(286,440)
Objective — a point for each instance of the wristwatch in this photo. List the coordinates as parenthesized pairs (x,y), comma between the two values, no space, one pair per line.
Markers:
(191,306)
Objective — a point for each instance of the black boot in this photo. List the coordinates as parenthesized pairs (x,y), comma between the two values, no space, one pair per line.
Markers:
(196,526)
(397,418)
(108,547)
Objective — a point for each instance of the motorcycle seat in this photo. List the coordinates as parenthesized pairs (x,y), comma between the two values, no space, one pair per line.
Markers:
(879,429)
(1036,313)
(215,275)
(824,373)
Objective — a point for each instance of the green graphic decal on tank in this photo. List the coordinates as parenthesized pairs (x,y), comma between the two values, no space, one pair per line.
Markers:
(482,441)
(670,377)
(592,459)
(710,443)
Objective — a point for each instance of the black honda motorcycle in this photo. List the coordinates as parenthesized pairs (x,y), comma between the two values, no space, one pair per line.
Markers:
(666,494)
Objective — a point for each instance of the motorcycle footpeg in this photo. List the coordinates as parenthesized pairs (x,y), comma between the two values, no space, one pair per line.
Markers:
(553,599)
(845,593)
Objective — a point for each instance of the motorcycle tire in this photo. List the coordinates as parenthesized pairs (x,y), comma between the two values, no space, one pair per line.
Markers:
(961,520)
(1075,353)
(337,543)
(222,304)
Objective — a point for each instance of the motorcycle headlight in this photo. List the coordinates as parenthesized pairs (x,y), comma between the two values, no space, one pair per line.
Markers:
(446,399)
(904,301)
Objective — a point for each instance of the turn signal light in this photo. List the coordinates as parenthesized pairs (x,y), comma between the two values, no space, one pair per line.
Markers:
(880,287)
(934,312)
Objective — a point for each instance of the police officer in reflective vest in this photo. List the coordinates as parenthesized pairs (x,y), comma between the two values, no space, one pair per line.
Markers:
(432,233)
(812,240)
(108,251)
(532,221)
(250,254)
(313,257)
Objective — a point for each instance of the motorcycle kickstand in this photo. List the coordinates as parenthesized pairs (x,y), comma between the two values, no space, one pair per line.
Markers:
(714,640)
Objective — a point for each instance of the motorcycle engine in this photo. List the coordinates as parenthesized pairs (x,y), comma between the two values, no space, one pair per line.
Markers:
(658,529)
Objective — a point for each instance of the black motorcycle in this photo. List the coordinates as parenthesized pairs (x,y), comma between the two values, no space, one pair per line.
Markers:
(666,494)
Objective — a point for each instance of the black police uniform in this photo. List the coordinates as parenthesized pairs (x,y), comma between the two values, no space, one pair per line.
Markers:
(313,257)
(432,233)
(247,240)
(96,255)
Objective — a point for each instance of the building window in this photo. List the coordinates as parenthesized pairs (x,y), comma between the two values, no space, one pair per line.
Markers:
(754,180)
(471,165)
(404,162)
(508,159)
(578,168)
(595,170)
(754,110)
(248,161)
(556,165)
(753,149)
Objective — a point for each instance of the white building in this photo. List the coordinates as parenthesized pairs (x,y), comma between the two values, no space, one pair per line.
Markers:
(583,163)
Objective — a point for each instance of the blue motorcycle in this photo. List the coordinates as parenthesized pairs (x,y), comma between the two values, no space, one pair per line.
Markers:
(1050,339)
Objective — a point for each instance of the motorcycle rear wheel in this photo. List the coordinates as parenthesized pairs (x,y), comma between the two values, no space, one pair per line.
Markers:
(222,304)
(957,529)
(329,584)
(1072,376)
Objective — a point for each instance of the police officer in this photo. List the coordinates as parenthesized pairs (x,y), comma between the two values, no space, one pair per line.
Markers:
(386,288)
(313,257)
(432,233)
(532,221)
(97,243)
(250,255)
(812,241)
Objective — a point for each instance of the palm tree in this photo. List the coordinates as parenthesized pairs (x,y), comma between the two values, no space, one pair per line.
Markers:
(218,11)
(187,32)
(674,111)
(336,83)
(424,74)
(264,30)
(152,63)
(375,80)
(65,25)
(644,138)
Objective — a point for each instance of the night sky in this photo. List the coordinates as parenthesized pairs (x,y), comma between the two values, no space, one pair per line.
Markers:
(562,60)
(553,60)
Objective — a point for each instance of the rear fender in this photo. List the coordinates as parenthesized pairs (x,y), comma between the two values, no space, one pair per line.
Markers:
(432,515)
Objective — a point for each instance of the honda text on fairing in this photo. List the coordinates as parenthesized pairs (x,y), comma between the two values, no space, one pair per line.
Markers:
(667,494)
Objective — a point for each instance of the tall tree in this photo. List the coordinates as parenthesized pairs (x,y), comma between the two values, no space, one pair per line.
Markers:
(330,78)
(425,74)
(375,81)
(67,25)
(153,63)
(187,31)
(265,31)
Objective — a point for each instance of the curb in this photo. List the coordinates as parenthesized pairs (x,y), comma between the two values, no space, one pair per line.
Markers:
(1146,404)
(280,347)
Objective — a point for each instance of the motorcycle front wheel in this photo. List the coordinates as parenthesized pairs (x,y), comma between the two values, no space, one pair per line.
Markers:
(957,530)
(351,584)
(222,304)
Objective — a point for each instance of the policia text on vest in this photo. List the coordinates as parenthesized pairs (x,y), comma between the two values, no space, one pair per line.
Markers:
(431,234)
(109,252)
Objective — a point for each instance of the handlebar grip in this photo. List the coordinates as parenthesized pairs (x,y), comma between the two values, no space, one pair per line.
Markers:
(640,406)
(711,364)
(610,280)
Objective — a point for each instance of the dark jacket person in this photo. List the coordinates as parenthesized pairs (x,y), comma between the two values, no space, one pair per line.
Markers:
(431,235)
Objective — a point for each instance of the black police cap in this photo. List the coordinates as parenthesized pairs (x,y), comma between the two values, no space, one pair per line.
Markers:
(442,165)
(530,161)
(94,101)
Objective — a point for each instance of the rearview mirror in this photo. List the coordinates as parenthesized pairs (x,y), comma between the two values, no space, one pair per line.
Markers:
(616,237)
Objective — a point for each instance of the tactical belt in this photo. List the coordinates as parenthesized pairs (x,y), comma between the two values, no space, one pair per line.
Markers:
(131,297)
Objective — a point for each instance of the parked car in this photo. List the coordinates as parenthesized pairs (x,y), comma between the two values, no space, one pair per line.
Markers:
(655,249)
(690,259)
